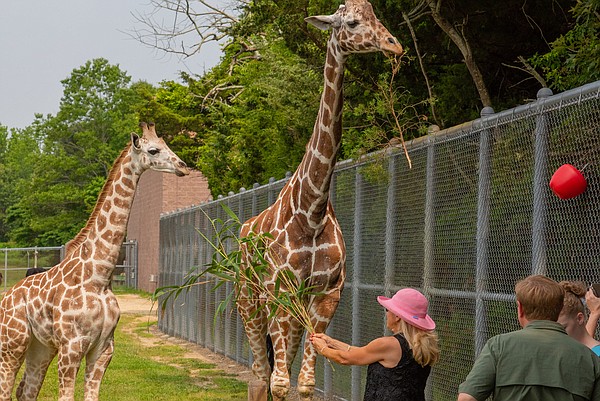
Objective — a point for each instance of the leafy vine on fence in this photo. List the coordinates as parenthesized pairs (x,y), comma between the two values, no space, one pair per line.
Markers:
(260,270)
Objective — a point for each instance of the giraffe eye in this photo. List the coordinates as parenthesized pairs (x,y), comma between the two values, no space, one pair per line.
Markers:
(352,24)
(153,151)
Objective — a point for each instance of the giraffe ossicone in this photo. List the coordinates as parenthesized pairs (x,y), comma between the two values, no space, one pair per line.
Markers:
(307,239)
(70,310)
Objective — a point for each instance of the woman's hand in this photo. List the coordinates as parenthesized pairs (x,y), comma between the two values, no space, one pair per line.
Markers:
(592,301)
(593,304)
(319,341)
(328,340)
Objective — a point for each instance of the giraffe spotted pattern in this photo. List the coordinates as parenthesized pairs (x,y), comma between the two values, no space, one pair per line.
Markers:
(308,240)
(69,311)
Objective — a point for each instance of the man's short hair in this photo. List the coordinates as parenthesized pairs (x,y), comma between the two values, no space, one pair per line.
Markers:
(541,298)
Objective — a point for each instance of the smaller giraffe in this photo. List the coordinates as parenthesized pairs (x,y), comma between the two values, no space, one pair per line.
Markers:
(70,310)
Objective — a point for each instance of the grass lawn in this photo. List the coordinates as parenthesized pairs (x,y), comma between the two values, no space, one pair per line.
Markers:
(158,373)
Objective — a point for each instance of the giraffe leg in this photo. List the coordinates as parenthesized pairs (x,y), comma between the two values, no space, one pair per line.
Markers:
(36,365)
(70,356)
(14,341)
(280,331)
(322,311)
(296,332)
(9,366)
(95,368)
(255,325)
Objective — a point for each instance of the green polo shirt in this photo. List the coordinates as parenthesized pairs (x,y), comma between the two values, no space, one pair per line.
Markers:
(540,362)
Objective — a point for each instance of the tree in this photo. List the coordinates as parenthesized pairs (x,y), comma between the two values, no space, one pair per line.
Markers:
(184,27)
(468,57)
(22,152)
(574,57)
(257,127)
(464,46)
(4,188)
(74,152)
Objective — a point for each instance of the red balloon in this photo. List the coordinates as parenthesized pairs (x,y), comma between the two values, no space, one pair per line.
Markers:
(568,182)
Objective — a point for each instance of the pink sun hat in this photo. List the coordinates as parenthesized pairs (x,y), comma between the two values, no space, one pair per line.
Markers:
(410,305)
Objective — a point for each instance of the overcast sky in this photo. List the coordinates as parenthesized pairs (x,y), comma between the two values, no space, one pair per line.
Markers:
(42,41)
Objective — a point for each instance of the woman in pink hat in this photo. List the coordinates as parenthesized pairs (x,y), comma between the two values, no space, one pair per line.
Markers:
(399,365)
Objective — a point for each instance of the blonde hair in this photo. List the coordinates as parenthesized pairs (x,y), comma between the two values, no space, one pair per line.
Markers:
(574,293)
(424,344)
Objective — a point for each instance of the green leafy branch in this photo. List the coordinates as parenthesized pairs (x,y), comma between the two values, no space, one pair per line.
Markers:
(277,288)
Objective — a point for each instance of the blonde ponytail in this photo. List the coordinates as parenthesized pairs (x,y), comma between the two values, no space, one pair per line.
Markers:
(424,344)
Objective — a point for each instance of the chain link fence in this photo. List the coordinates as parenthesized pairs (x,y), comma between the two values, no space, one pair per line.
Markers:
(17,262)
(126,269)
(474,215)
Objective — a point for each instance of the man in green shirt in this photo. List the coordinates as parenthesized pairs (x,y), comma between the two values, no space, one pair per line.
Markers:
(540,362)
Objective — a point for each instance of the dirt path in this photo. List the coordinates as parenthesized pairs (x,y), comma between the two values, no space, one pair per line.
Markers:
(142,307)
(131,304)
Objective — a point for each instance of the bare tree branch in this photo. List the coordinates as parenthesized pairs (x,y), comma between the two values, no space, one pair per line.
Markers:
(212,95)
(245,48)
(401,124)
(463,45)
(182,27)
(528,69)
(423,71)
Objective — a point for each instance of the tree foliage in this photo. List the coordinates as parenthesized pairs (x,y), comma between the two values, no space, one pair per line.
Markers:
(574,58)
(249,117)
(255,113)
(57,166)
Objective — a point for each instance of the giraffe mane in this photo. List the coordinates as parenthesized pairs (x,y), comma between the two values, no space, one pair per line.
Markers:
(83,233)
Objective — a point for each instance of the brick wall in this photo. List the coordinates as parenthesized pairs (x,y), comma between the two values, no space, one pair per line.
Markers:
(159,193)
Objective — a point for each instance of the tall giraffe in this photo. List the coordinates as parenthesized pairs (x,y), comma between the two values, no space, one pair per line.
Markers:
(307,237)
(70,310)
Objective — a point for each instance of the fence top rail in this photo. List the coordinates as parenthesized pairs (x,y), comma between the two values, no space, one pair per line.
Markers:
(35,248)
(545,102)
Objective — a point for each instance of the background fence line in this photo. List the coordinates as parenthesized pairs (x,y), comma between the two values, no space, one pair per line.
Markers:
(16,262)
(474,215)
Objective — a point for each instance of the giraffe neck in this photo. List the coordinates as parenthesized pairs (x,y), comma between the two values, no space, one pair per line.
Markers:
(100,240)
(312,179)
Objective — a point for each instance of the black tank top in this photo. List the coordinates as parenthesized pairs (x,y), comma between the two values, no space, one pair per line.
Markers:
(405,382)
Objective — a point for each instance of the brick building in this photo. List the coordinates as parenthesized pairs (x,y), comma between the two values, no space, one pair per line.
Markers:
(159,193)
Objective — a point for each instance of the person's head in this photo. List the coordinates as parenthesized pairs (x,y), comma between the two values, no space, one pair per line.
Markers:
(539,298)
(411,306)
(573,315)
(406,313)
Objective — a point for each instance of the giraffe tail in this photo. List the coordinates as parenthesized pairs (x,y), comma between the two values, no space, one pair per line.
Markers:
(270,352)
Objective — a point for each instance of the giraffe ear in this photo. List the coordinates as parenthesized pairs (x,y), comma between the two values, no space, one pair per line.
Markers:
(323,22)
(135,141)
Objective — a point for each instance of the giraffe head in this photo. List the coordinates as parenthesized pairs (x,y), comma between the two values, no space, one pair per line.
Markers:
(357,29)
(154,154)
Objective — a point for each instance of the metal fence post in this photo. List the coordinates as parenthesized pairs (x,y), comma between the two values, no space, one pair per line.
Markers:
(356,265)
(201,299)
(429,226)
(239,325)
(255,211)
(327,367)
(429,221)
(390,224)
(215,321)
(227,289)
(540,187)
(483,231)
(187,261)
(5,267)
(270,193)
